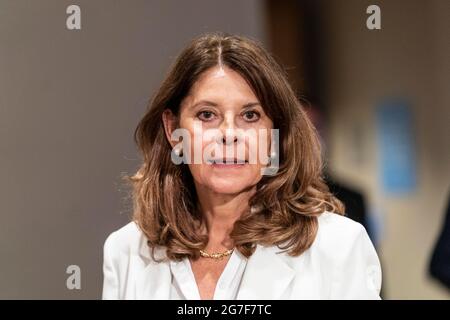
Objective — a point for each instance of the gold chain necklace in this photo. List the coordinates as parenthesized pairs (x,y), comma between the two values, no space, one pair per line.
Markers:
(216,255)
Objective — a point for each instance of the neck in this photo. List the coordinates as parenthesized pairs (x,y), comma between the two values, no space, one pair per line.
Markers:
(220,212)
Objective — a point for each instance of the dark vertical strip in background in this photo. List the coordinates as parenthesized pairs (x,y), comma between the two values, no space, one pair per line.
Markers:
(295,39)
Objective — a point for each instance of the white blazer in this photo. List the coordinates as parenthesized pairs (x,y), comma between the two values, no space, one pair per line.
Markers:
(341,264)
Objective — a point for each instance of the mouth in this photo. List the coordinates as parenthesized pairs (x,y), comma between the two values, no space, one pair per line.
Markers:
(227,162)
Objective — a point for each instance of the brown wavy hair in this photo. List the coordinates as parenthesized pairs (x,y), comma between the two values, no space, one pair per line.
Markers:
(285,206)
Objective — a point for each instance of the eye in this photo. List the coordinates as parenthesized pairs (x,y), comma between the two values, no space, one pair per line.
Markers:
(251,115)
(205,115)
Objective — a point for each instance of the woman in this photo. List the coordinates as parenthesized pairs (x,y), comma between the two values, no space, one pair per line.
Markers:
(207,225)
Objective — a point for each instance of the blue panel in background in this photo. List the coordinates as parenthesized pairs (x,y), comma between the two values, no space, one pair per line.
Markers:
(396,146)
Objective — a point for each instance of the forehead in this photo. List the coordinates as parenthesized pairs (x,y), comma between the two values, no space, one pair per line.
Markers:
(222,83)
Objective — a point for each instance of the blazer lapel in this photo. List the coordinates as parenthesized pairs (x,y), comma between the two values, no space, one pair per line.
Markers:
(267,275)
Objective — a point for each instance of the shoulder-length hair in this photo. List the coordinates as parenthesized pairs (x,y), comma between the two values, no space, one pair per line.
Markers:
(285,207)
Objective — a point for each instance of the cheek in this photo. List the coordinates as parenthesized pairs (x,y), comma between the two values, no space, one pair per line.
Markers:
(208,144)
(200,140)
(259,147)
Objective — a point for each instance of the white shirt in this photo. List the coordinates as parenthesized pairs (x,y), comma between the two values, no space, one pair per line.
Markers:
(184,286)
(341,264)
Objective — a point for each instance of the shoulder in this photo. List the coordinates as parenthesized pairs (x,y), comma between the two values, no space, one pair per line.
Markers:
(342,260)
(339,237)
(345,247)
(335,227)
(127,240)
(340,245)
(339,240)
(123,260)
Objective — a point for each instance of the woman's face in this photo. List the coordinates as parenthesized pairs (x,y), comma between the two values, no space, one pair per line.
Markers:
(225,118)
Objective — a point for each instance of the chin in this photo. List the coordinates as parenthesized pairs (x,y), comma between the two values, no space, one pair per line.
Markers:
(229,185)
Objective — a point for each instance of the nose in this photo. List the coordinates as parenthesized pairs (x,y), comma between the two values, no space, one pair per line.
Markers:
(228,131)
(229,139)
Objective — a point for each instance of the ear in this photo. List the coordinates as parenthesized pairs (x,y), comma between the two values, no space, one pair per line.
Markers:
(170,122)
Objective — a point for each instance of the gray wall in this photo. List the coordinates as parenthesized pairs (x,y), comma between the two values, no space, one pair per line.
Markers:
(69,103)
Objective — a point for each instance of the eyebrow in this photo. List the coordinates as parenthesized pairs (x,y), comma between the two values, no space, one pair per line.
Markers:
(207,102)
(251,104)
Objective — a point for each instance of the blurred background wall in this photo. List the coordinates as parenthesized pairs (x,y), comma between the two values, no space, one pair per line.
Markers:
(408,57)
(70,101)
